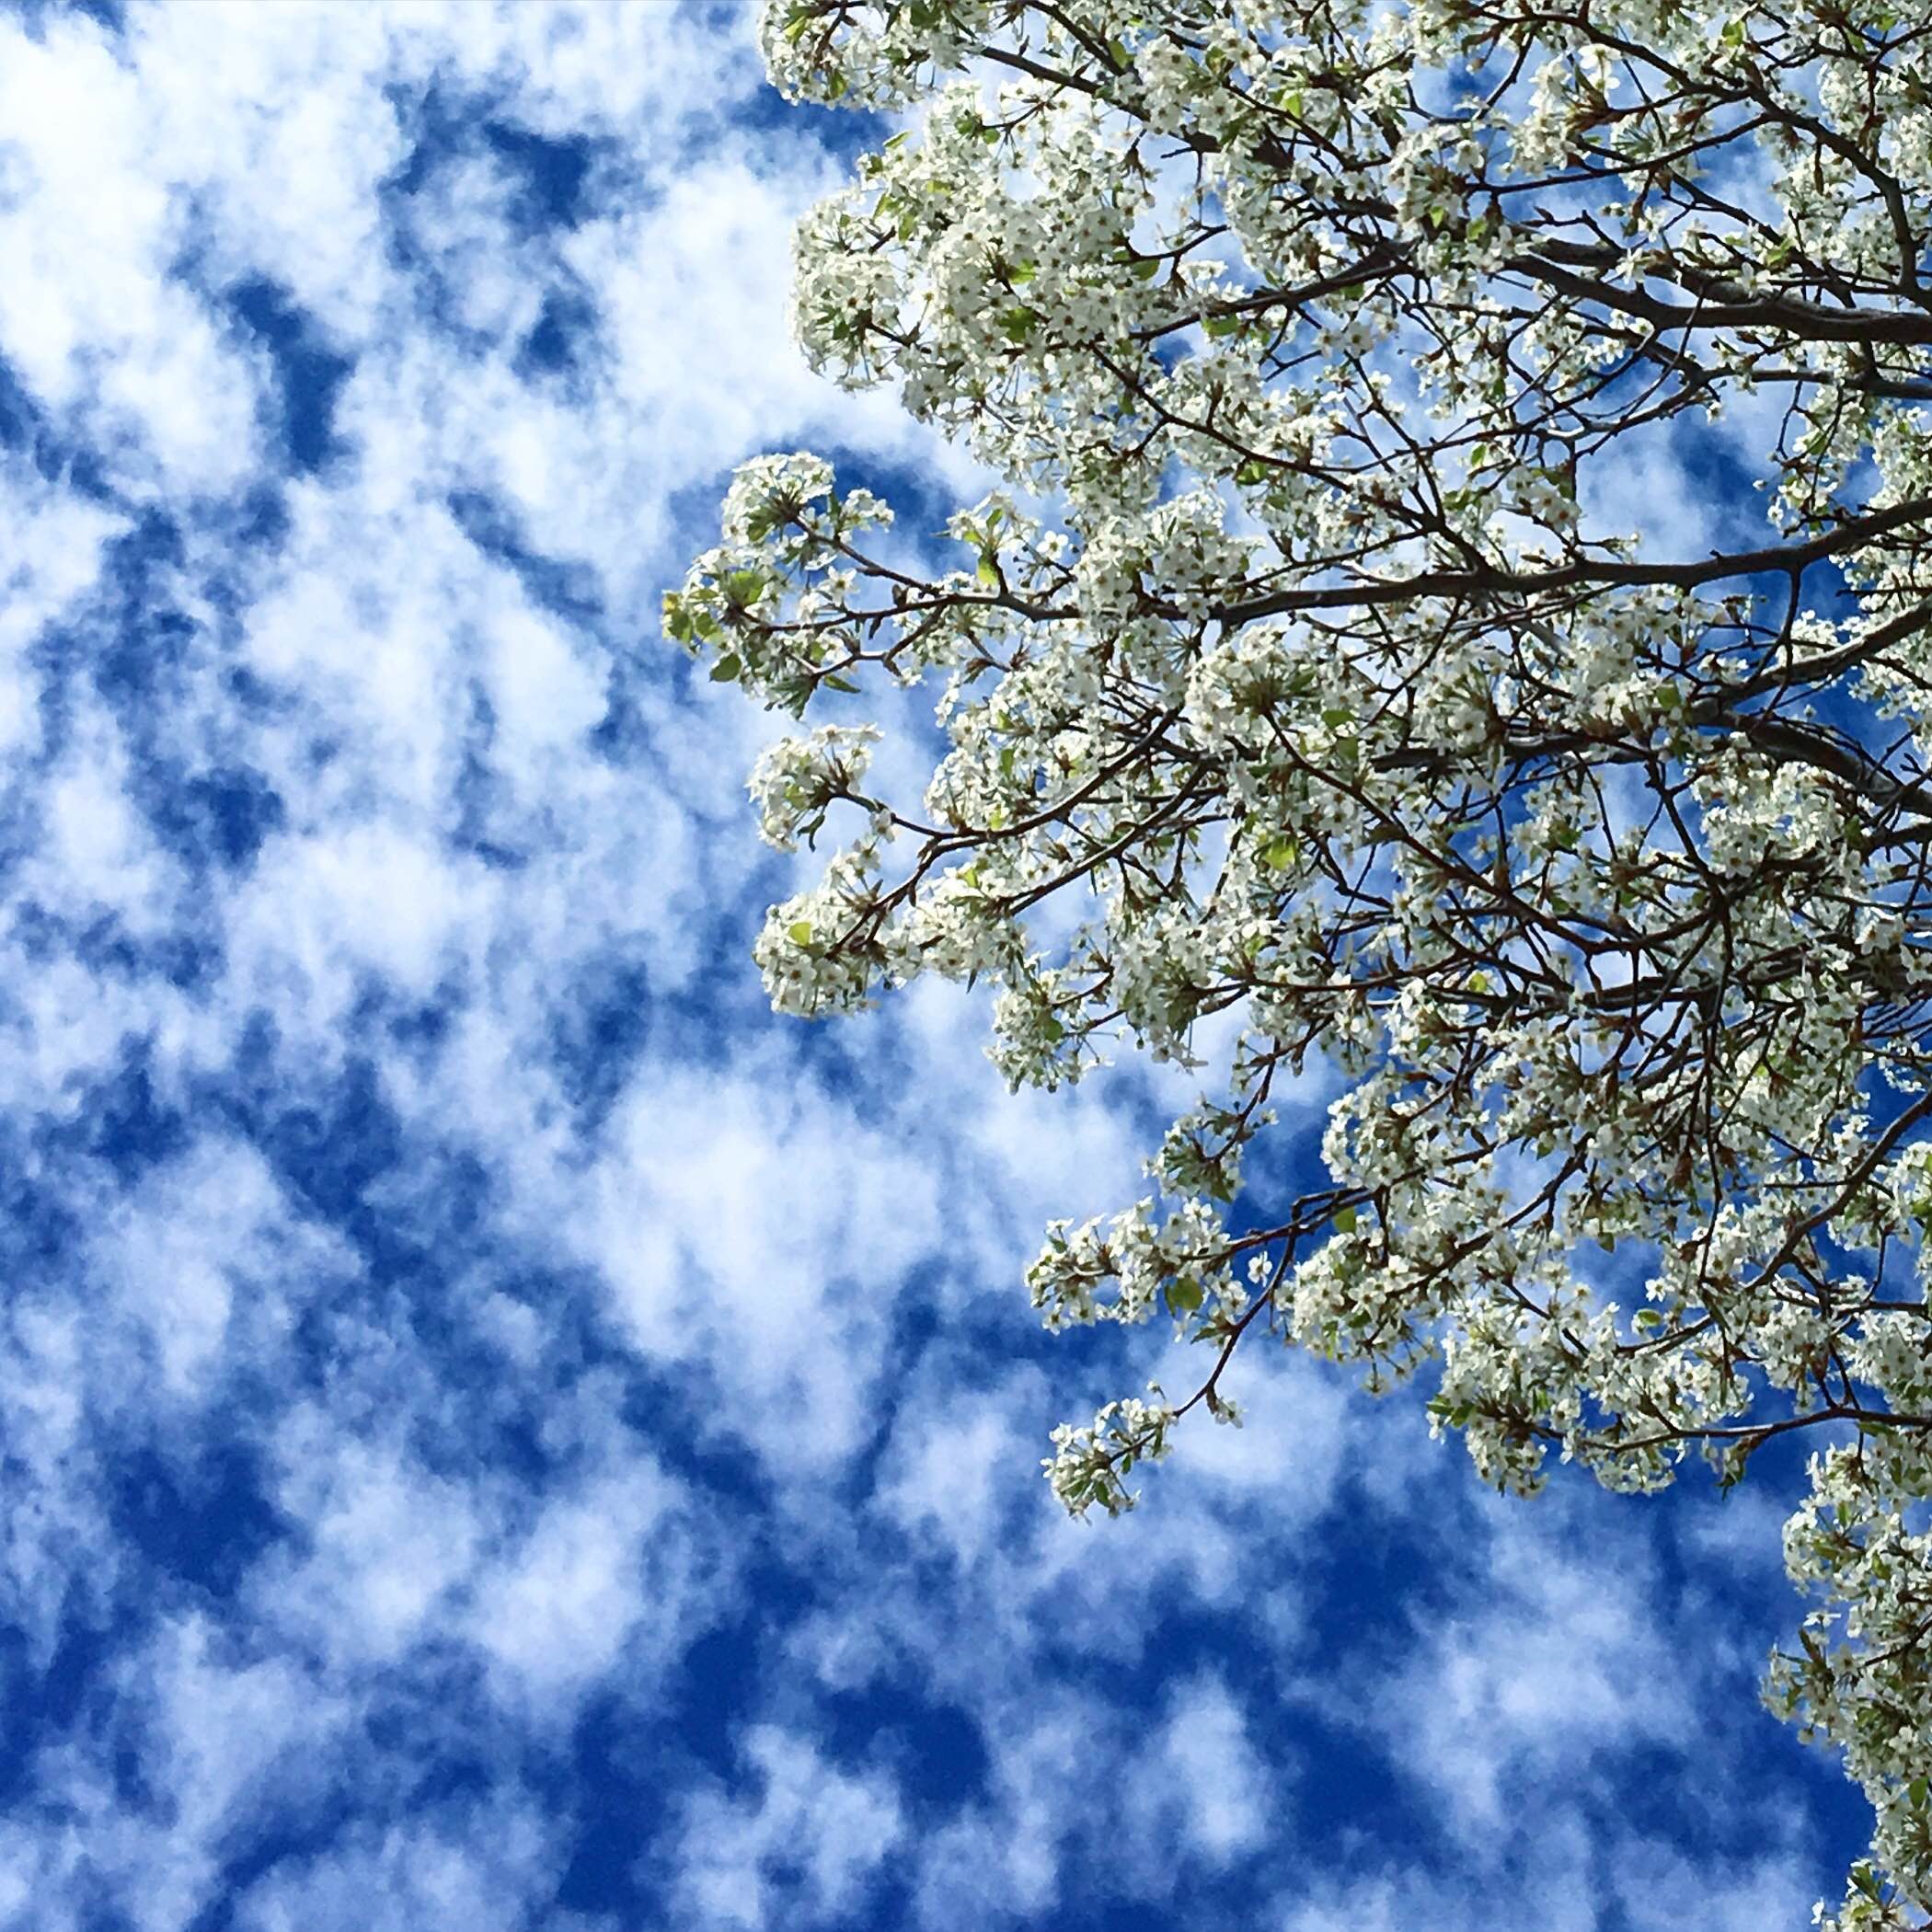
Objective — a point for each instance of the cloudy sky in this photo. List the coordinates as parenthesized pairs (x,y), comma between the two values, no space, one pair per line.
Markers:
(498,1431)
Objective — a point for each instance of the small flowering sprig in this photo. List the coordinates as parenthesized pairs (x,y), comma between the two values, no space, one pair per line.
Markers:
(797,780)
(1090,1464)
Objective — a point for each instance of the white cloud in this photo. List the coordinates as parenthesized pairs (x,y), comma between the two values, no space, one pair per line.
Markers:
(362,898)
(836,1827)
(950,1467)
(742,1213)
(225,1736)
(485,1870)
(388,1543)
(89,316)
(175,1253)
(557,1607)
(96,853)
(1556,1653)
(51,546)
(1210,1775)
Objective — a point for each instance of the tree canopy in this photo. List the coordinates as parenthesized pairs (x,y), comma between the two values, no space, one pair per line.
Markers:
(1309,670)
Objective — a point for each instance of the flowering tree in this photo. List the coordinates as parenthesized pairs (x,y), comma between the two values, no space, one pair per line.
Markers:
(1305,674)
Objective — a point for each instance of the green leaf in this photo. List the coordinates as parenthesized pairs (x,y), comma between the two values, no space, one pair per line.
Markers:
(1335,716)
(1254,471)
(799,932)
(839,683)
(725,669)
(1185,1295)
(1647,1318)
(1018,323)
(1146,270)
(1280,853)
(1219,324)
(1345,1221)
(988,572)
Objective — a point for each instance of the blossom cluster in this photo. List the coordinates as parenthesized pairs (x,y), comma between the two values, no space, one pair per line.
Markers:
(1289,678)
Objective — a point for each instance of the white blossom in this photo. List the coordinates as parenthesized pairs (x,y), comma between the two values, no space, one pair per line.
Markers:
(1286,675)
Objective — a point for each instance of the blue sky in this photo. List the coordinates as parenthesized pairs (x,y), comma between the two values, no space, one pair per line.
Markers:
(497,1430)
